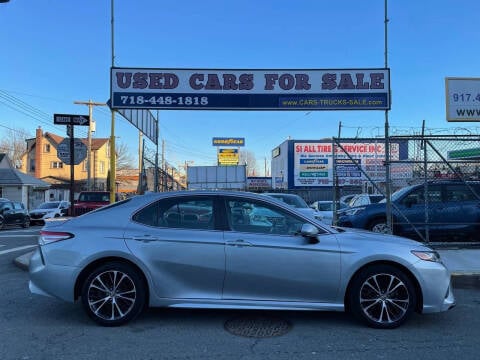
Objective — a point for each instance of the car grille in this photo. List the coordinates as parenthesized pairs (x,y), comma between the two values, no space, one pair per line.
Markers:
(36,216)
(83,210)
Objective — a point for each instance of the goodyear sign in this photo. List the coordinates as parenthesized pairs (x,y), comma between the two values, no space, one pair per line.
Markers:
(223,141)
(228,157)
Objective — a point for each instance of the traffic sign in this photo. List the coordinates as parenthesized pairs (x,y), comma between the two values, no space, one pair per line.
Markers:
(69,119)
(79,151)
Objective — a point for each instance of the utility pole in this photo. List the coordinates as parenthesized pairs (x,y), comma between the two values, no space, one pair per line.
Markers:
(90,104)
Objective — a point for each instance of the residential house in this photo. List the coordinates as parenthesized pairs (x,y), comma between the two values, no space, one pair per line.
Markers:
(20,187)
(41,161)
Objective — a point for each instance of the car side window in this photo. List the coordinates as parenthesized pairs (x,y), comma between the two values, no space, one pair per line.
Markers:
(459,193)
(417,196)
(183,213)
(258,217)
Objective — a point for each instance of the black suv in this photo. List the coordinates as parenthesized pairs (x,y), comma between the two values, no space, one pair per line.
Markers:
(448,210)
(13,214)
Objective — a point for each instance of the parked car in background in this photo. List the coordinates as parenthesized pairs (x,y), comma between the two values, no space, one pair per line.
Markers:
(13,213)
(49,210)
(91,200)
(451,212)
(326,209)
(365,199)
(124,257)
(297,202)
(345,199)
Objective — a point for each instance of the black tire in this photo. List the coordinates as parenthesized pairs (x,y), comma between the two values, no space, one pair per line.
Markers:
(114,294)
(26,223)
(382,297)
(2,222)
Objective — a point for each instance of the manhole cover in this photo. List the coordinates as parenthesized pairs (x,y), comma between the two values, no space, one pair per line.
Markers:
(257,326)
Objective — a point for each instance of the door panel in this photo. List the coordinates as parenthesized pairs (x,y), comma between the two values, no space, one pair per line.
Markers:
(177,241)
(284,268)
(182,263)
(267,259)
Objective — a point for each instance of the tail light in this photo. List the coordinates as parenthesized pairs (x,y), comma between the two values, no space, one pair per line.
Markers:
(47,237)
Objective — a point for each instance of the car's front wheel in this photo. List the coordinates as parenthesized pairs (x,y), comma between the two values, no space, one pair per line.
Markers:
(379,226)
(382,296)
(26,223)
(114,294)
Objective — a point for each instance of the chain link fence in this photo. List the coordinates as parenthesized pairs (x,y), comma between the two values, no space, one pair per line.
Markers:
(434,182)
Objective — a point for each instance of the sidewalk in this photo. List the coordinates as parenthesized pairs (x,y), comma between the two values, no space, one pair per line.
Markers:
(461,262)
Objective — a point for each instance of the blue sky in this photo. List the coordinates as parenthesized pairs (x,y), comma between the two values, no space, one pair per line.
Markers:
(56,52)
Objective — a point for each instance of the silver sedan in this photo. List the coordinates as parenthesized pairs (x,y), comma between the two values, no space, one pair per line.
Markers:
(232,250)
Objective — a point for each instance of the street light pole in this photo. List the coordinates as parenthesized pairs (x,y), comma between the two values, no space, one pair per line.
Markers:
(90,104)
(112,127)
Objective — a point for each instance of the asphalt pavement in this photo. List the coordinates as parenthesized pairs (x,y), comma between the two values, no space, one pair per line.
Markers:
(461,260)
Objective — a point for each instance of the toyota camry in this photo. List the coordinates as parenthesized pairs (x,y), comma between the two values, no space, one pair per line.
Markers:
(232,250)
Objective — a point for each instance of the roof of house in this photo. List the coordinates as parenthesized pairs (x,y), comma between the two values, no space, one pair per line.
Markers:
(96,143)
(14,177)
(55,139)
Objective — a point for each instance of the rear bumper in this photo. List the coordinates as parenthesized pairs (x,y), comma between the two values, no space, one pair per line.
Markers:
(41,276)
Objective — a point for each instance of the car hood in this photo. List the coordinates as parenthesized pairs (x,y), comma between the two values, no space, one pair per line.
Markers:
(364,235)
(42,211)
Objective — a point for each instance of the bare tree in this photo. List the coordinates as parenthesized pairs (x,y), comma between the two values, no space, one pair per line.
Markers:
(248,158)
(125,159)
(13,143)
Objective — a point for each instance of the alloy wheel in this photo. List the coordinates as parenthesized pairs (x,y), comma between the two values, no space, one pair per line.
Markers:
(380,227)
(384,298)
(111,295)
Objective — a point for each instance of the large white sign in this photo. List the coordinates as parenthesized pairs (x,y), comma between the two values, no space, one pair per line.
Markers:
(462,99)
(234,89)
(313,163)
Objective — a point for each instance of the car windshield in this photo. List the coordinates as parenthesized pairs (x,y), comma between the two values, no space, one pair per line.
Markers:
(292,200)
(328,206)
(49,205)
(94,197)
(398,194)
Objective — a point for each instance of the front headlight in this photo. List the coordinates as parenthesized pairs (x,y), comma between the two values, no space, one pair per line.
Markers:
(354,211)
(427,255)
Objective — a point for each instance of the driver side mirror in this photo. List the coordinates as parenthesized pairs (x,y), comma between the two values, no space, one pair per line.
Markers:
(310,232)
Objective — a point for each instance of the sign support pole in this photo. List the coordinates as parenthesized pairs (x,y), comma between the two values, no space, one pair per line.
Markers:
(387,139)
(72,172)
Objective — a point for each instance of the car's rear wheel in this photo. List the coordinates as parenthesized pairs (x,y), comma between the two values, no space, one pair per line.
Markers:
(113,294)
(382,296)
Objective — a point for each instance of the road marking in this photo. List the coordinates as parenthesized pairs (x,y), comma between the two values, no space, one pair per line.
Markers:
(16,235)
(17,249)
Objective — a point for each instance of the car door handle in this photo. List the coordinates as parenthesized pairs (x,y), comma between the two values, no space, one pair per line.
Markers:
(238,243)
(145,238)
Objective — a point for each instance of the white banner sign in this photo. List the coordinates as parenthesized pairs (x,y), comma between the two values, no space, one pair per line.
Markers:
(234,89)
(462,99)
